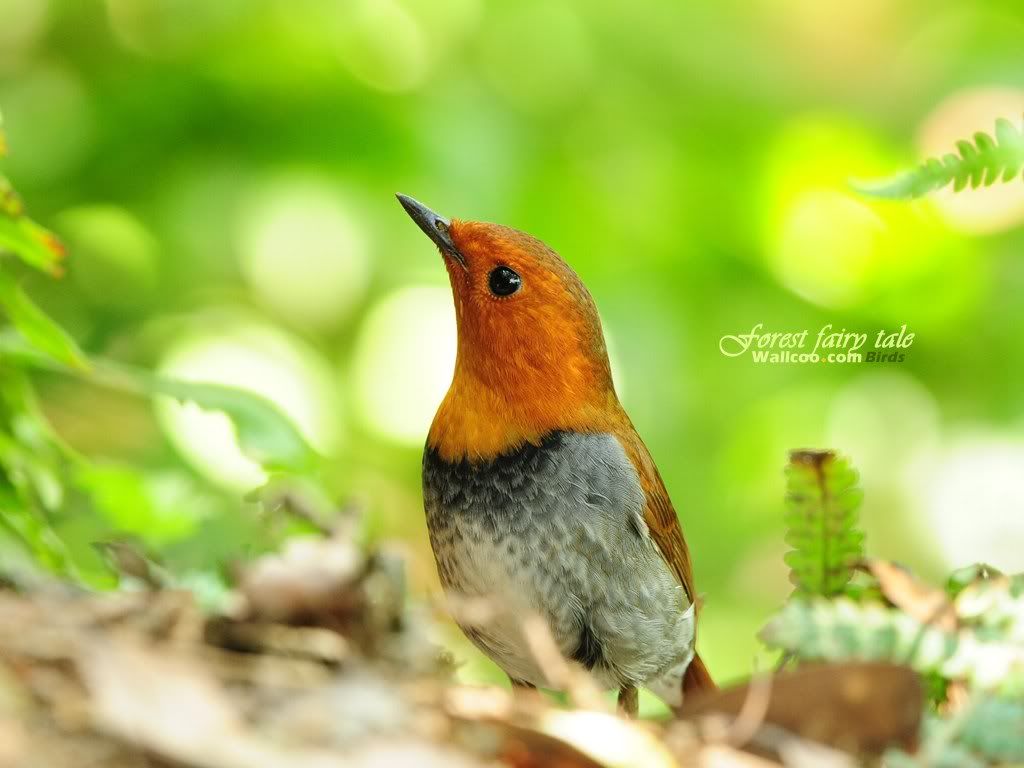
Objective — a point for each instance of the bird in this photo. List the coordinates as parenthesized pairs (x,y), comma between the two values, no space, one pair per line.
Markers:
(540,497)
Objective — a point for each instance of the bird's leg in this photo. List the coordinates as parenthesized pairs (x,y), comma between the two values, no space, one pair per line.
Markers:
(629,702)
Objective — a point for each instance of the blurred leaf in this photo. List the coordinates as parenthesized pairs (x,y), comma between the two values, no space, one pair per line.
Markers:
(36,326)
(37,247)
(984,161)
(10,203)
(862,707)
(922,601)
(841,630)
(134,502)
(822,499)
(994,607)
(988,730)
(231,536)
(265,434)
(16,351)
(32,531)
(20,235)
(994,727)
(962,578)
(31,472)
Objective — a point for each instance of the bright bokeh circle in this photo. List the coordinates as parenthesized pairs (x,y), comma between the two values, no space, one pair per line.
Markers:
(839,250)
(403,363)
(973,500)
(303,251)
(258,359)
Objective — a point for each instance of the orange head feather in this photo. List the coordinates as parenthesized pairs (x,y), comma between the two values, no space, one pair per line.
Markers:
(528,362)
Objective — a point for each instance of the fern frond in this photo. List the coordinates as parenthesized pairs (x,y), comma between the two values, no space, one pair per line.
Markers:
(843,630)
(821,519)
(986,730)
(994,728)
(994,607)
(983,161)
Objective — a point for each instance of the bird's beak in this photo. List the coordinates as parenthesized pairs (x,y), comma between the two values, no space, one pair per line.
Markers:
(434,225)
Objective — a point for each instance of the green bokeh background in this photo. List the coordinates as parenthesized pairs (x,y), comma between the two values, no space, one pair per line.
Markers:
(223,174)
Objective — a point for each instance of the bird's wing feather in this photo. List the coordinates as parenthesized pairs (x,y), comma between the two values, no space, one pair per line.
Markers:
(663,524)
(659,513)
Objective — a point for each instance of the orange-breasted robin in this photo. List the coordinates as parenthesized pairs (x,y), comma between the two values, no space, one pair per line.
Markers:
(540,496)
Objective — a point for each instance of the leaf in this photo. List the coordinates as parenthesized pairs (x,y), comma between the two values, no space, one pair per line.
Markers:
(37,247)
(925,603)
(32,465)
(264,433)
(962,578)
(32,530)
(987,730)
(155,507)
(842,630)
(20,235)
(822,499)
(861,707)
(36,327)
(994,727)
(984,161)
(10,203)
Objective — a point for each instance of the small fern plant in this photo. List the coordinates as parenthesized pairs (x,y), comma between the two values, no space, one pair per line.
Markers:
(983,161)
(821,518)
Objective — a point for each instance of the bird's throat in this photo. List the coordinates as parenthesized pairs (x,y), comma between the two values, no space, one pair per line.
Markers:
(477,421)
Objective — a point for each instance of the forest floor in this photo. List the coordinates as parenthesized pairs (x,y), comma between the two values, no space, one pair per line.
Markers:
(320,662)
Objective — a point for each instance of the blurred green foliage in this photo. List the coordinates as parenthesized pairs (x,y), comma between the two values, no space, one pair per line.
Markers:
(223,175)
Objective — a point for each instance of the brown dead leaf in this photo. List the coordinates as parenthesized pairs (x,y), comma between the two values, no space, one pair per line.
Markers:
(915,598)
(862,708)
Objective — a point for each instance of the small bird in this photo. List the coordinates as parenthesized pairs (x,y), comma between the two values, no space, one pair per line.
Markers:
(540,496)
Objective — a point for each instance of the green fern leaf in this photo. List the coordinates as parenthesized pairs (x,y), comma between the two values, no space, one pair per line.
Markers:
(987,730)
(981,162)
(994,728)
(821,519)
(842,630)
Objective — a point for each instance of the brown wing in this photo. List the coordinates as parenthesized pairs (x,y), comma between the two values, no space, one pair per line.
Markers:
(659,514)
(663,524)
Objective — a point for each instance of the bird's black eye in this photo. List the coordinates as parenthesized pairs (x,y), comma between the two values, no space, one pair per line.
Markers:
(504,281)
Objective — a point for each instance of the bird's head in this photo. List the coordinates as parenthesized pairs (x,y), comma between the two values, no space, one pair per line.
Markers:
(531,354)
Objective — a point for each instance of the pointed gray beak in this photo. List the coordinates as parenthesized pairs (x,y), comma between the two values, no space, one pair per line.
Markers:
(434,225)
